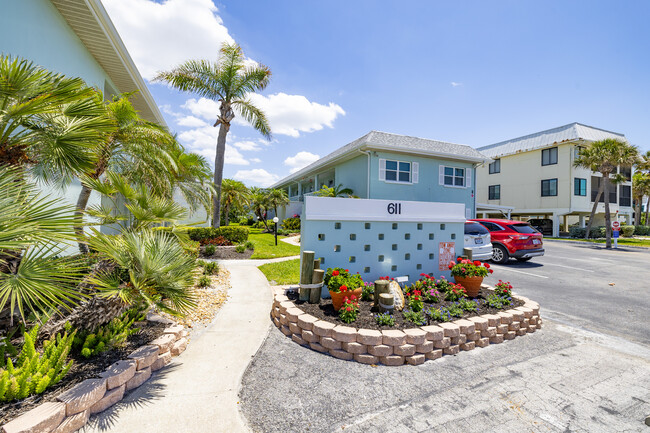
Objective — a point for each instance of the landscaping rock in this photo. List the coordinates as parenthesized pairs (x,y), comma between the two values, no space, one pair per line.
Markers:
(480,323)
(110,398)
(162,360)
(415,336)
(330,343)
(73,423)
(164,342)
(451,330)
(318,347)
(497,339)
(354,347)
(82,396)
(43,418)
(285,330)
(175,330)
(118,373)
(293,314)
(482,342)
(434,354)
(179,347)
(365,358)
(306,321)
(451,350)
(369,336)
(470,345)
(322,328)
(341,354)
(434,333)
(138,379)
(310,337)
(393,337)
(344,334)
(298,339)
(398,295)
(153,317)
(506,318)
(145,356)
(424,348)
(466,326)
(510,335)
(392,360)
(415,359)
(404,350)
(380,350)
(493,319)
(441,344)
(295,328)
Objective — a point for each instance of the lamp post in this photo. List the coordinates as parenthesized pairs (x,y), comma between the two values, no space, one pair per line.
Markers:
(275,221)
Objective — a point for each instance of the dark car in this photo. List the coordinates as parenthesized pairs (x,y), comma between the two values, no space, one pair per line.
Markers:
(516,239)
(542,225)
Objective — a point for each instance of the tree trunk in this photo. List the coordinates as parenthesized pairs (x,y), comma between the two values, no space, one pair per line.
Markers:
(608,218)
(82,202)
(593,209)
(218,174)
(637,211)
(227,216)
(647,211)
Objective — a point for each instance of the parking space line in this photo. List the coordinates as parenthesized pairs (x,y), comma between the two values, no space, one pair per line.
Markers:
(585,260)
(568,267)
(505,268)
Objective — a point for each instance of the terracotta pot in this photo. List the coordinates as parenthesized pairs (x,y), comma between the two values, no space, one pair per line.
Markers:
(338,297)
(472,285)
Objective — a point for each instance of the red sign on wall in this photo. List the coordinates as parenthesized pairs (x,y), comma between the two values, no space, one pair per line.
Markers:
(446,254)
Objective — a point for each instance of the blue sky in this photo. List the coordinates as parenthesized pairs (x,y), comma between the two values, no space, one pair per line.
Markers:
(474,72)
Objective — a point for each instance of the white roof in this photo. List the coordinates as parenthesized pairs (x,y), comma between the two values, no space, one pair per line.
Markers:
(550,137)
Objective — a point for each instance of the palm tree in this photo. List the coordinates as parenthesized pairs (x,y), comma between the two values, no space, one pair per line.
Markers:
(191,176)
(259,204)
(48,122)
(234,195)
(604,157)
(137,149)
(644,165)
(228,81)
(335,191)
(277,197)
(640,188)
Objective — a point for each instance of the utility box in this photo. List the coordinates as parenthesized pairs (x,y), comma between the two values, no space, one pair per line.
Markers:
(379,238)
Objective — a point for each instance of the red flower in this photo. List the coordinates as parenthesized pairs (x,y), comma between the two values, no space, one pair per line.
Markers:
(335,272)
(353,297)
(343,288)
(490,270)
(450,267)
(477,263)
(348,309)
(459,259)
(486,265)
(347,270)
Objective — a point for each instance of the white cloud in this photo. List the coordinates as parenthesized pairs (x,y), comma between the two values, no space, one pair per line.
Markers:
(256,177)
(455,84)
(160,35)
(300,160)
(247,145)
(204,142)
(255,160)
(203,107)
(191,122)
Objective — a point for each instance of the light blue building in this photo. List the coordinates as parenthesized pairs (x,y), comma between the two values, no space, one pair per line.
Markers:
(387,166)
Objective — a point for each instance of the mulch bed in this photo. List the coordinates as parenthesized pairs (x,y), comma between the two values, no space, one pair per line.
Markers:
(227,253)
(83,369)
(365,320)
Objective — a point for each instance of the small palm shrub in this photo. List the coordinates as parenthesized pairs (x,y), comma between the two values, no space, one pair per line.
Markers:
(204,281)
(210,268)
(291,224)
(33,372)
(210,249)
(241,248)
(250,245)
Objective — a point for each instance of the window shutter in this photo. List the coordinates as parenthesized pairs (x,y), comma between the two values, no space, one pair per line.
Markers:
(468,177)
(415,175)
(441,177)
(382,169)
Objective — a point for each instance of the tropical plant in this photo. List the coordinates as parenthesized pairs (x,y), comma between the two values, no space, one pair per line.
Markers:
(33,233)
(291,224)
(276,198)
(640,188)
(210,249)
(259,204)
(108,336)
(33,372)
(604,157)
(234,194)
(230,82)
(335,191)
(152,269)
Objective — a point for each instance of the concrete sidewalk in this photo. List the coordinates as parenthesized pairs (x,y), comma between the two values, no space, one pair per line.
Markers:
(198,391)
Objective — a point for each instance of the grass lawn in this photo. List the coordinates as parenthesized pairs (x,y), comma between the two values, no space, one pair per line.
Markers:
(265,246)
(621,241)
(282,272)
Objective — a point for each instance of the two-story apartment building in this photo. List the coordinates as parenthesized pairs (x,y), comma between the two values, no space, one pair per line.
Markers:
(534,175)
(381,165)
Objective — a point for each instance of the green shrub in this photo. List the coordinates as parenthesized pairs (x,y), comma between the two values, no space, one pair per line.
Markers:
(642,230)
(234,234)
(291,224)
(627,231)
(210,268)
(204,281)
(384,319)
(368,292)
(241,248)
(249,245)
(113,334)
(33,372)
(210,249)
(246,220)
(416,317)
(577,232)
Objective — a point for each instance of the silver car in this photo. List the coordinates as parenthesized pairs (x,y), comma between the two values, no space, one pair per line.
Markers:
(477,239)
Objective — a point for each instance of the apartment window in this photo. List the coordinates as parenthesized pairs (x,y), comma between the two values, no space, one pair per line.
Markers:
(549,156)
(494,192)
(495,167)
(595,186)
(627,172)
(549,187)
(454,176)
(626,196)
(580,186)
(398,171)
(576,151)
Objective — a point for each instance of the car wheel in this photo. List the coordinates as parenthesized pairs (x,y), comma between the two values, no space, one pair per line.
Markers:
(499,254)
(523,259)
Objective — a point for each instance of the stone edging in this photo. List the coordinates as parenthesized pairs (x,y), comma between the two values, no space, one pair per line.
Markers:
(73,407)
(412,346)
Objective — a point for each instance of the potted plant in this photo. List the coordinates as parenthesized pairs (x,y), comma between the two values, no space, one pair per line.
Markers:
(341,283)
(469,274)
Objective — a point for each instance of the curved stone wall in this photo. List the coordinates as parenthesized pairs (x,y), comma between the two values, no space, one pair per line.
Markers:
(411,346)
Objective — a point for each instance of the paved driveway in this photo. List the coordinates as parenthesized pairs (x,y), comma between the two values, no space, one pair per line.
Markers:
(576,374)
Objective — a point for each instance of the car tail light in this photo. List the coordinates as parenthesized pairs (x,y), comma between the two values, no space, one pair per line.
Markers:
(518,237)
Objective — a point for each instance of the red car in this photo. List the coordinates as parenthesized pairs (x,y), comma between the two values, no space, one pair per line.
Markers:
(516,239)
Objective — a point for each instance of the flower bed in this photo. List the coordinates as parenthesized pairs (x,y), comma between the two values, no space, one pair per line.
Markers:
(412,345)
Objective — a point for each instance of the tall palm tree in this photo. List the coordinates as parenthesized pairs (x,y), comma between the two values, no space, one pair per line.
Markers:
(228,81)
(640,189)
(234,195)
(192,177)
(604,157)
(259,204)
(644,165)
(135,148)
(277,197)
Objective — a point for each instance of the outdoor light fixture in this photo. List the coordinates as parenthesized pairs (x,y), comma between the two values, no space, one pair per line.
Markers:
(275,221)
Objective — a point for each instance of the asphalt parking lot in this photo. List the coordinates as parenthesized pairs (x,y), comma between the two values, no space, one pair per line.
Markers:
(587,370)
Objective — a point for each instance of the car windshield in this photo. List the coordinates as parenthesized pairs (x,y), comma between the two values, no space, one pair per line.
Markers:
(523,228)
(475,229)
